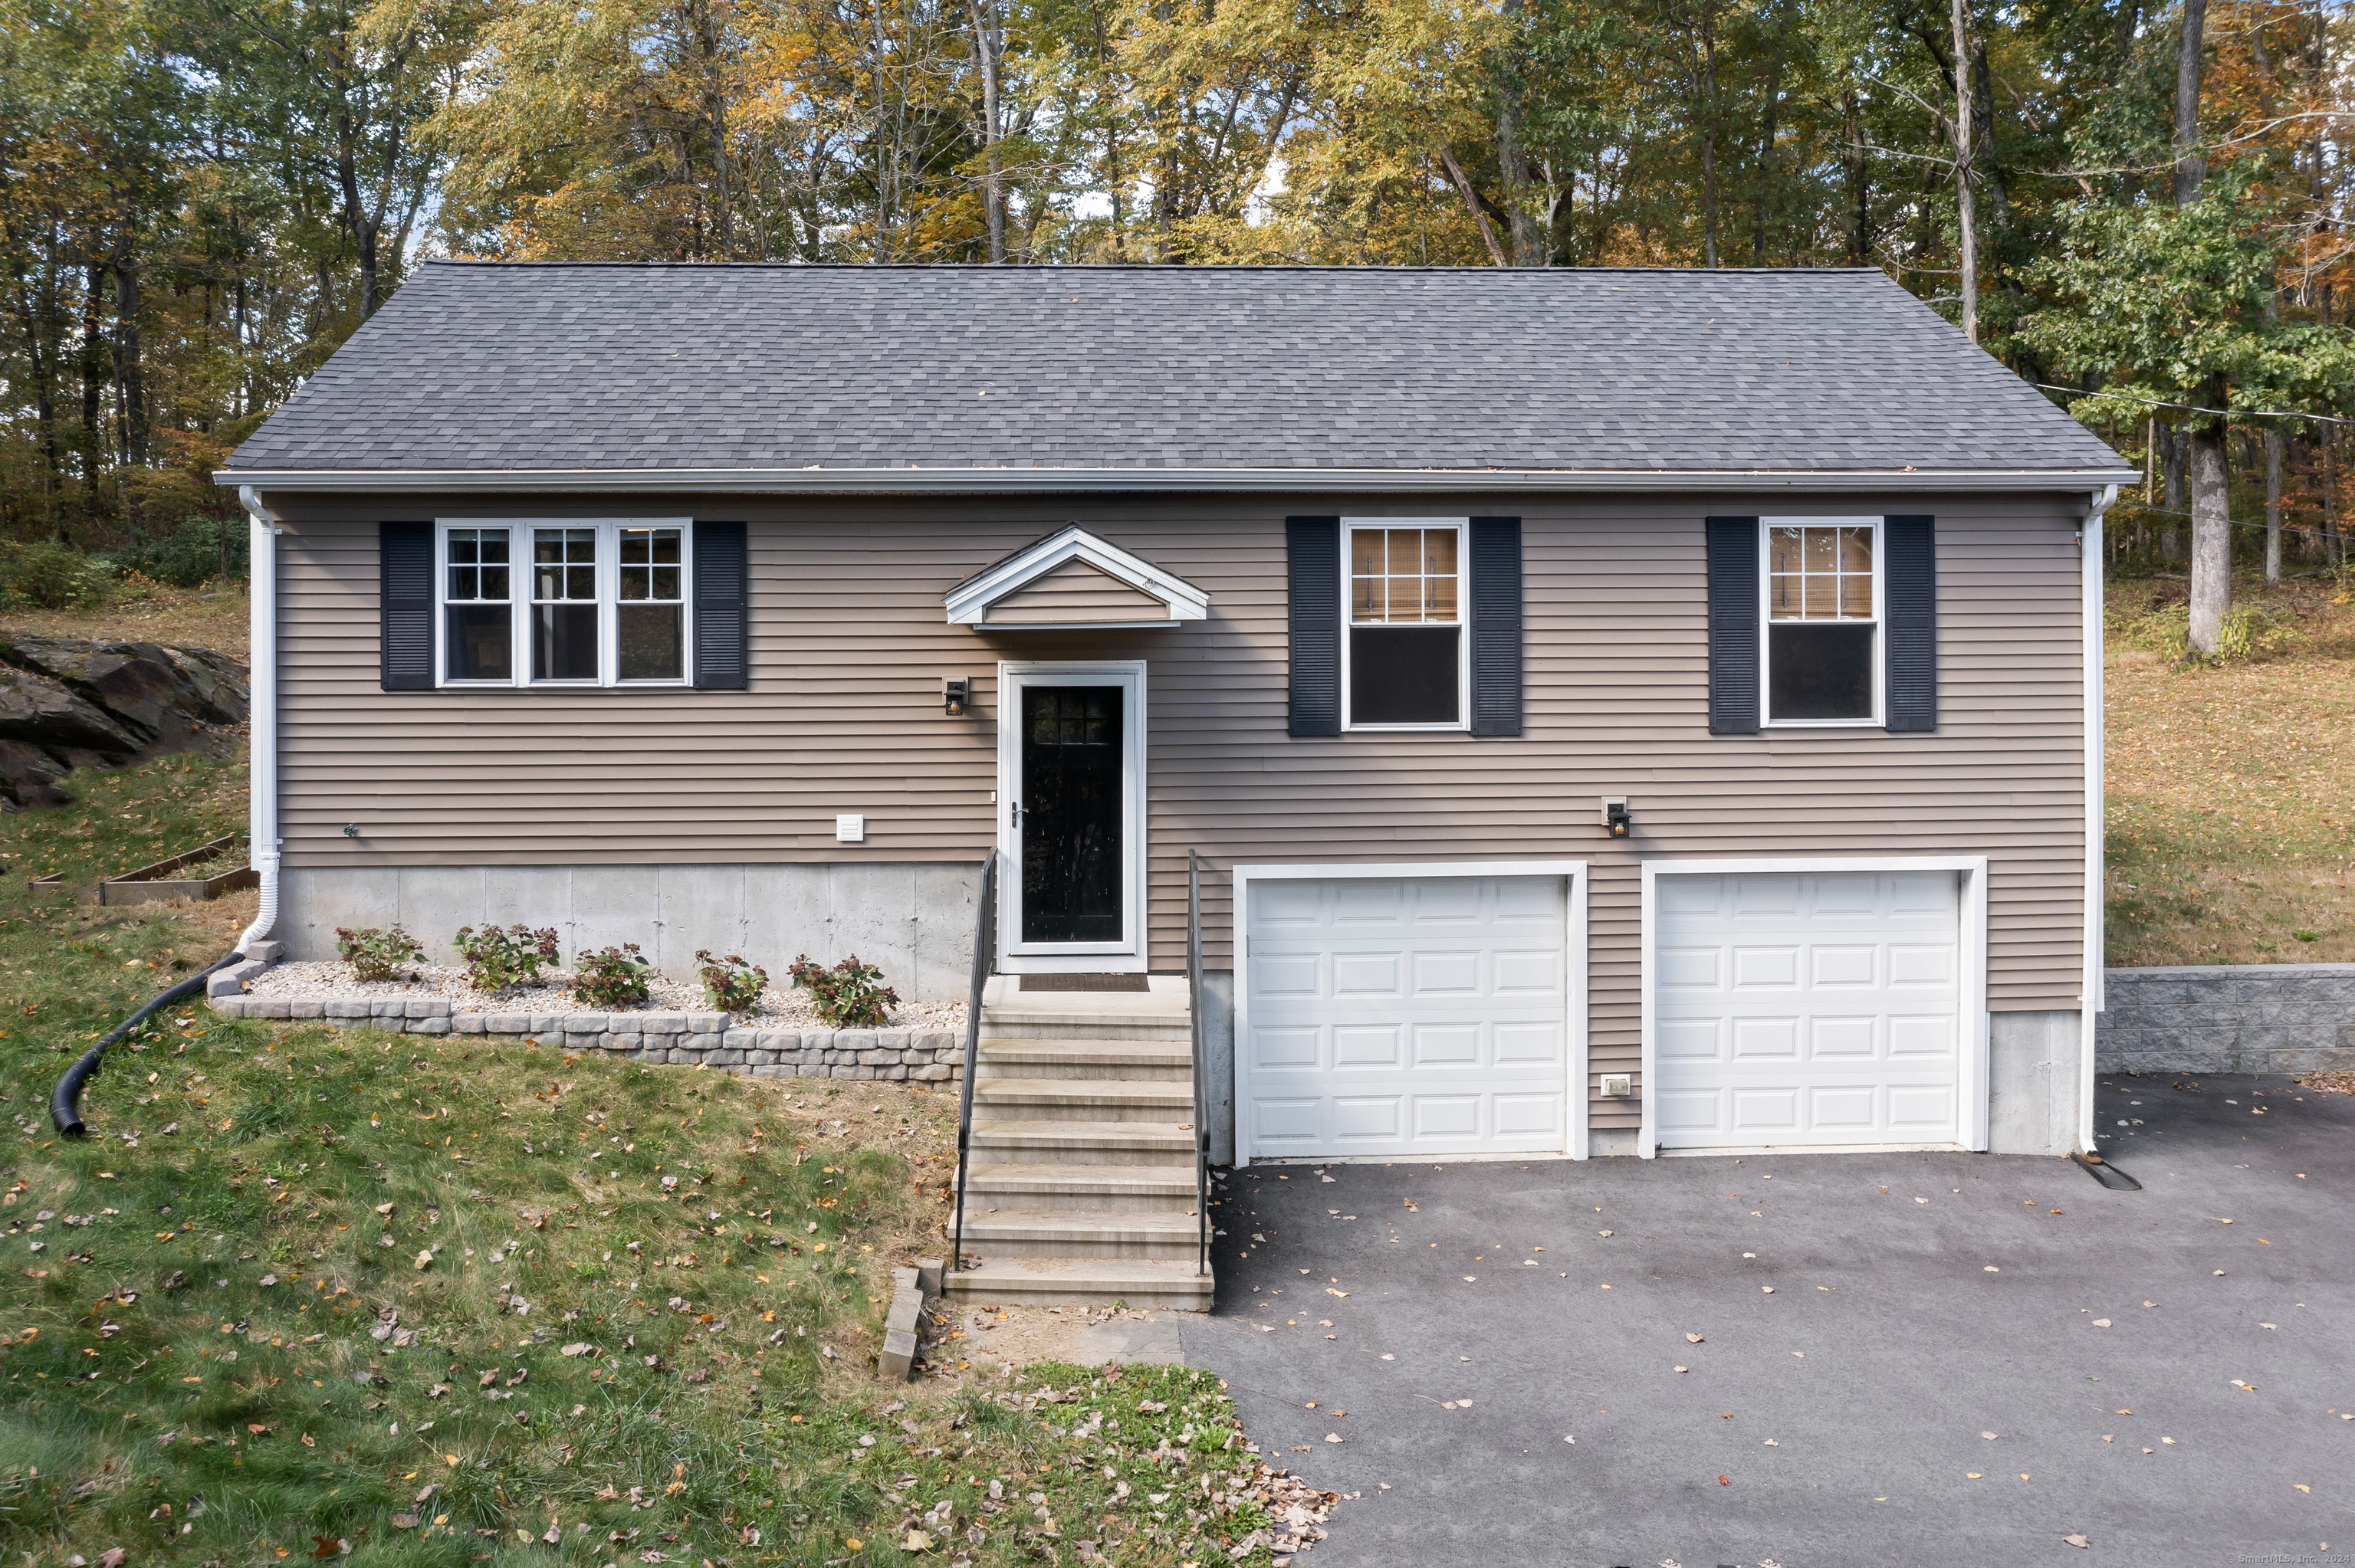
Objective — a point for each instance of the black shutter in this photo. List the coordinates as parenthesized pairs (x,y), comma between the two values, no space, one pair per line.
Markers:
(1909,575)
(1734,626)
(1314,547)
(404,560)
(722,598)
(1495,626)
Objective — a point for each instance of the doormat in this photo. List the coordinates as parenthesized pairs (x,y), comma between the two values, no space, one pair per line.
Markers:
(1085,982)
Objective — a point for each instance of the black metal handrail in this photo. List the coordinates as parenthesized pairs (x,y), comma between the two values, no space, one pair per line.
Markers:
(984,964)
(1201,1085)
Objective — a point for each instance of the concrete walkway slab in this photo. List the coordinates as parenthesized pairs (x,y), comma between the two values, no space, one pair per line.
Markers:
(2156,1380)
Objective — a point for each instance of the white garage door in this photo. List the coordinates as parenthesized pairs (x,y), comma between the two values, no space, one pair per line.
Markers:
(1405,1015)
(1811,1009)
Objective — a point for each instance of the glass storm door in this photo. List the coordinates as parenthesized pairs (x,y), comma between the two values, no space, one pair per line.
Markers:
(1070,813)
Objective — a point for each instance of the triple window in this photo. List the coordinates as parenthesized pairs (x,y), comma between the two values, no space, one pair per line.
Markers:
(583,604)
(1822,625)
(1402,664)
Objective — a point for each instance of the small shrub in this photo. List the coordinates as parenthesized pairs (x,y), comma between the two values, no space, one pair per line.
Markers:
(850,995)
(53,578)
(615,978)
(730,984)
(498,959)
(375,954)
(2250,632)
(194,554)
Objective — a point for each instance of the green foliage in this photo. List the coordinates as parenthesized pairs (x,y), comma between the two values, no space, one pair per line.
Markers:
(730,984)
(500,958)
(375,954)
(188,556)
(851,995)
(614,978)
(50,577)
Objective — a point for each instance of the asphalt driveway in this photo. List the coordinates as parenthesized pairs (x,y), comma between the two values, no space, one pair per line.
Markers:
(2170,1387)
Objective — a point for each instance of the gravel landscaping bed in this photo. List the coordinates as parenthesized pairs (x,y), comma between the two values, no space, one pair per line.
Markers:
(782,1007)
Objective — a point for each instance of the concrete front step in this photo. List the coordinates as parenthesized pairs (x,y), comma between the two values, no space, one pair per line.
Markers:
(1045,1141)
(1170,1236)
(1003,1023)
(1157,1060)
(1082,1099)
(1091,1189)
(1081,1282)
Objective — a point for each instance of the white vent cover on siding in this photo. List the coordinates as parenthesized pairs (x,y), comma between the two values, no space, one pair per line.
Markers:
(1810,1009)
(1406,1016)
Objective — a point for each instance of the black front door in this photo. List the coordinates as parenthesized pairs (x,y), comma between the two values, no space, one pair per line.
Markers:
(1071,813)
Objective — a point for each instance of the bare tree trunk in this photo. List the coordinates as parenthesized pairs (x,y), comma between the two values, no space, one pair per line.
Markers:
(2211,542)
(1472,205)
(2191,168)
(2272,506)
(1965,140)
(2174,457)
(1529,246)
(988,47)
(1858,164)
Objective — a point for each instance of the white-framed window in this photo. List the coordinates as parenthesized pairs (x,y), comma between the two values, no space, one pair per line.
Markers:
(523,603)
(1404,596)
(1820,622)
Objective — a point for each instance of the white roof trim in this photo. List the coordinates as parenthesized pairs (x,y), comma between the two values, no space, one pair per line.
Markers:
(1049,481)
(969,602)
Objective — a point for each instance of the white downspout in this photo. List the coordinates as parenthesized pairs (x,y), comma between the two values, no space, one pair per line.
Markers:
(262,718)
(2090,1003)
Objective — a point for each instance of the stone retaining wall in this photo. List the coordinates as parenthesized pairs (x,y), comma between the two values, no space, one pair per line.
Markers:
(2228,1018)
(923,1055)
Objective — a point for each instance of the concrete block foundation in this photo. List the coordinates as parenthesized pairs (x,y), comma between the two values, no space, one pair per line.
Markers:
(913,920)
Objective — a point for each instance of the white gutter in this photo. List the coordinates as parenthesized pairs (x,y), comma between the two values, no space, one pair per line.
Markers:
(262,795)
(1037,480)
(2090,1003)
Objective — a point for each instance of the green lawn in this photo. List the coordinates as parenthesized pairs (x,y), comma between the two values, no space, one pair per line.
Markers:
(314,1294)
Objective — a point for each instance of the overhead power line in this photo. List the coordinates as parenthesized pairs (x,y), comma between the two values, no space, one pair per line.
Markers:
(2194,407)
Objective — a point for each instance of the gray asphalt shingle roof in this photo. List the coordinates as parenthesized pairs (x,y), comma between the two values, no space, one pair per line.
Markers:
(502,366)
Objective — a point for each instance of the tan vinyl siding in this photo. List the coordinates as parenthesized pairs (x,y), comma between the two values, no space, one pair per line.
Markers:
(849,644)
(1074,591)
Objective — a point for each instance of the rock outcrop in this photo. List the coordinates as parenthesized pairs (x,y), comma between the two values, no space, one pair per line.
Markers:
(65,703)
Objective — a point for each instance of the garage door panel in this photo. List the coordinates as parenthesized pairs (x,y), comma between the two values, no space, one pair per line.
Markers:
(1447,974)
(1916,1036)
(1840,1022)
(1527,973)
(1764,1110)
(1279,1049)
(1924,1107)
(1764,1039)
(1446,1044)
(1529,1042)
(1765,968)
(1694,1039)
(1281,975)
(1844,967)
(1849,1107)
(1921,964)
(1528,1116)
(1360,1045)
(1696,969)
(1296,1121)
(1691,1110)
(1436,1002)
(1849,1040)
(1364,1117)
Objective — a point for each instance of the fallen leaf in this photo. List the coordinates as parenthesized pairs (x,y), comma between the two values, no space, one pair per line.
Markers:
(2077,1540)
(1692,1338)
(1724,1482)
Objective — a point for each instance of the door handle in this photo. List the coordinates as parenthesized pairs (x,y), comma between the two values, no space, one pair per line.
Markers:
(1014,813)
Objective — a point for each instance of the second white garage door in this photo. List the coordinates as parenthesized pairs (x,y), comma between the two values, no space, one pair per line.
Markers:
(1810,1009)
(1405,1015)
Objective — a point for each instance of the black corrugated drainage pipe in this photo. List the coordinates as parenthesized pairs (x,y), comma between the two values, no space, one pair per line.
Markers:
(65,1100)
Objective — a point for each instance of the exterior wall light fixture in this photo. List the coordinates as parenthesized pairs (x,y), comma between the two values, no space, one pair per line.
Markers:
(1614,815)
(954,694)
